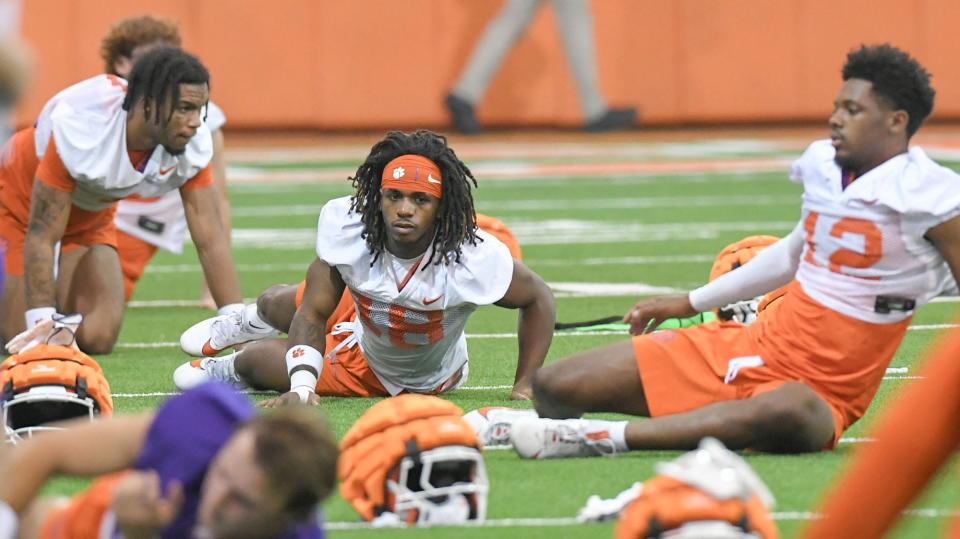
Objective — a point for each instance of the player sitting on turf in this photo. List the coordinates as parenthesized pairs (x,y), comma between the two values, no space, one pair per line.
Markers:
(879,221)
(202,466)
(407,250)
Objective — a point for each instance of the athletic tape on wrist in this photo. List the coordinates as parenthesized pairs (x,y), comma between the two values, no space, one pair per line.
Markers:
(32,316)
(304,364)
(8,522)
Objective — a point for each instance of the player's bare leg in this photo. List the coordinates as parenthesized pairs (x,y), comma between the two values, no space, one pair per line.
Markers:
(792,418)
(277,305)
(12,307)
(261,365)
(90,282)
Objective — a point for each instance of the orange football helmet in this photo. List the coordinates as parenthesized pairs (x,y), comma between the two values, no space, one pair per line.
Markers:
(48,383)
(414,456)
(709,492)
(732,257)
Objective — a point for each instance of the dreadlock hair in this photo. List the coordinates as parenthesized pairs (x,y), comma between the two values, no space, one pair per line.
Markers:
(897,78)
(157,76)
(128,34)
(456,218)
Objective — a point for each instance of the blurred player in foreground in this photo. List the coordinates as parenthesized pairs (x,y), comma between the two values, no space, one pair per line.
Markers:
(204,465)
(916,436)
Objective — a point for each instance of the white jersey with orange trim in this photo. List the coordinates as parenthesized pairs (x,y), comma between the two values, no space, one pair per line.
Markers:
(865,253)
(411,327)
(162,222)
(89,127)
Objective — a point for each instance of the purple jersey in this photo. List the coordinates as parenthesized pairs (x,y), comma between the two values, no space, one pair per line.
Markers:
(185,436)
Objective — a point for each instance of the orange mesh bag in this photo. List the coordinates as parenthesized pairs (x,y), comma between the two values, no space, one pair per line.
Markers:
(414,457)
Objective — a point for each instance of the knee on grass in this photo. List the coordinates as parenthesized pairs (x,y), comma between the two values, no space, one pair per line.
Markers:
(796,421)
(555,393)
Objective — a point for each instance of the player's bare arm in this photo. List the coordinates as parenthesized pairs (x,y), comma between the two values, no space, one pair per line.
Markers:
(85,449)
(308,329)
(946,237)
(533,297)
(49,212)
(201,206)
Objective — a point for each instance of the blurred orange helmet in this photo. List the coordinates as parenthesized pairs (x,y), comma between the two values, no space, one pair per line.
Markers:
(48,383)
(709,492)
(415,457)
(732,257)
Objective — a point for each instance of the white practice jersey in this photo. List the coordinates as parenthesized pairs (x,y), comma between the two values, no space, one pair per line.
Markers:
(162,222)
(89,127)
(865,254)
(411,335)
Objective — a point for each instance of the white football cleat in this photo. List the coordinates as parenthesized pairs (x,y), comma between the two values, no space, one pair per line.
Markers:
(198,371)
(493,423)
(558,438)
(209,337)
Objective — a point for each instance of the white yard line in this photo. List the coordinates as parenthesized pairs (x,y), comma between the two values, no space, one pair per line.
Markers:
(570,521)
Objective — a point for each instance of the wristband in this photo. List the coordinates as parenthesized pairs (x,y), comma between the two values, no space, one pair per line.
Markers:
(8,521)
(304,364)
(33,316)
(230,309)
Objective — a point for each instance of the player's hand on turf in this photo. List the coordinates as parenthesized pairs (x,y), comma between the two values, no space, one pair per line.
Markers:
(646,315)
(141,508)
(289,399)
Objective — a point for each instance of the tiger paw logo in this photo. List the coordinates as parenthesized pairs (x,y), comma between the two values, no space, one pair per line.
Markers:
(297,352)
(398,173)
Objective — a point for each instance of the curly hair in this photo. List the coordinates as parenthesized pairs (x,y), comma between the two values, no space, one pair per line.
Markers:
(158,76)
(456,217)
(128,34)
(897,78)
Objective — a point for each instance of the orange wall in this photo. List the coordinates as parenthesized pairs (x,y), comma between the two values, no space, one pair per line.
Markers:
(342,64)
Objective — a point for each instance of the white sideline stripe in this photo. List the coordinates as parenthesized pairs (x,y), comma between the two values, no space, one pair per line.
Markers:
(475,388)
(569,521)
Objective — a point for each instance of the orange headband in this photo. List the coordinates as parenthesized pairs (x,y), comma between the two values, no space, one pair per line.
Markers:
(412,172)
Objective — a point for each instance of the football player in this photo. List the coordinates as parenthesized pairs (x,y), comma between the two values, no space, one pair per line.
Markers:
(147,224)
(879,221)
(94,143)
(202,465)
(400,267)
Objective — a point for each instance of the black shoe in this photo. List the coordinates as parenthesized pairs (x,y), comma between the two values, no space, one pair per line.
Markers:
(613,120)
(461,113)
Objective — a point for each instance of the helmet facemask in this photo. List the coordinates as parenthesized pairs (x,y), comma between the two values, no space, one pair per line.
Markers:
(441,486)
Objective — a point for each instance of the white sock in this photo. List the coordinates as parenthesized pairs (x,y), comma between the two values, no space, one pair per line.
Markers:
(616,430)
(253,317)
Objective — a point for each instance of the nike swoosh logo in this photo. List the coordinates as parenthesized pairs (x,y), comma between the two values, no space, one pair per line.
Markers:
(427,301)
(166,170)
(431,179)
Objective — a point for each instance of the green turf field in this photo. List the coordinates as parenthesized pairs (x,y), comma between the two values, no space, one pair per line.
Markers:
(625,228)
